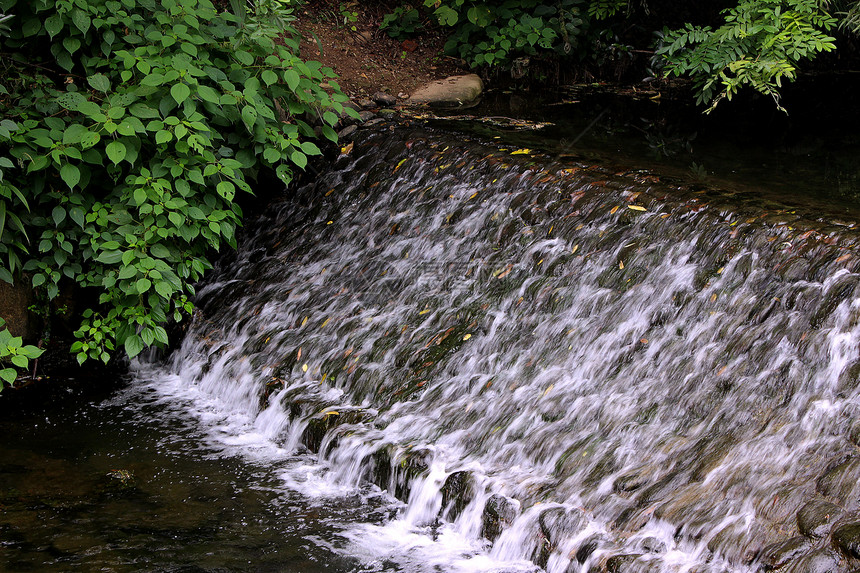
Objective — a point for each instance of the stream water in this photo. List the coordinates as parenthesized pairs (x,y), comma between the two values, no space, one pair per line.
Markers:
(443,354)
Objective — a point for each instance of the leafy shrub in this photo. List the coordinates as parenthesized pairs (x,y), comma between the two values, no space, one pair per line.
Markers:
(496,33)
(14,354)
(403,22)
(760,44)
(130,127)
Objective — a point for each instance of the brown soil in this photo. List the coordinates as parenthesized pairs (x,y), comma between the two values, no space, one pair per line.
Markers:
(365,57)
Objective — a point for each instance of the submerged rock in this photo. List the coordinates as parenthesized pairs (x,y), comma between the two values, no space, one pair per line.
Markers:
(846,538)
(499,513)
(457,493)
(779,554)
(815,518)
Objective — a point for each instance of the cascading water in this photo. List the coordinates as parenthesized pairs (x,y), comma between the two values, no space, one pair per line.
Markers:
(551,366)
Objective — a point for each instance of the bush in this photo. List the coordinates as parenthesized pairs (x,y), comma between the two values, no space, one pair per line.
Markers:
(496,33)
(130,127)
(760,44)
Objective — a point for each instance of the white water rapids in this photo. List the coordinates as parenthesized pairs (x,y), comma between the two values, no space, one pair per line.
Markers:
(551,366)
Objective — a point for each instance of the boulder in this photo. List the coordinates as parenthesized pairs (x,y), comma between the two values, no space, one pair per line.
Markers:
(816,516)
(847,539)
(384,100)
(454,91)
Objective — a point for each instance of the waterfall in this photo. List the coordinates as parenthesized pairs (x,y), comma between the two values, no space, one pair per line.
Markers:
(548,364)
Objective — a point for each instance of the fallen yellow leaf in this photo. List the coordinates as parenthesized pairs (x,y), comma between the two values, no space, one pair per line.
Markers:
(304,367)
(613,210)
(636,208)
(467,337)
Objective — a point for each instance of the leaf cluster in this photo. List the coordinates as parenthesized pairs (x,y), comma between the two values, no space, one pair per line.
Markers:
(497,33)
(14,354)
(130,127)
(760,45)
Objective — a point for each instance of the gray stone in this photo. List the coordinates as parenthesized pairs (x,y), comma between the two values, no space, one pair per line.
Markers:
(840,481)
(384,99)
(366,103)
(386,113)
(455,91)
(499,513)
(366,115)
(347,132)
(778,554)
(821,561)
(373,122)
(846,538)
(815,517)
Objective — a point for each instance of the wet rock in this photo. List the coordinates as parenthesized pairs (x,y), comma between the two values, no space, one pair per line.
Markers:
(779,554)
(499,513)
(620,563)
(840,481)
(849,377)
(457,493)
(347,132)
(558,523)
(366,103)
(366,115)
(815,517)
(384,99)
(821,561)
(846,538)
(587,547)
(628,483)
(387,113)
(373,122)
(854,433)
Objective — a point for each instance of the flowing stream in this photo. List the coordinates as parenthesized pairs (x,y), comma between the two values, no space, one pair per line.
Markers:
(475,358)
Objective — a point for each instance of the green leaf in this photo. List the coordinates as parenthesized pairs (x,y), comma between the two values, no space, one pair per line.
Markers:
(249,116)
(208,94)
(180,92)
(70,174)
(164,289)
(71,44)
(99,82)
(89,139)
(109,257)
(71,100)
(77,215)
(115,150)
(58,215)
(269,77)
(9,375)
(19,361)
(299,158)
(143,285)
(133,345)
(127,272)
(292,79)
(81,20)
(53,25)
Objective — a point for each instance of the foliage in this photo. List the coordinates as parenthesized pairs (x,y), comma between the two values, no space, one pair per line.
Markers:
(497,33)
(760,44)
(403,22)
(13,354)
(136,123)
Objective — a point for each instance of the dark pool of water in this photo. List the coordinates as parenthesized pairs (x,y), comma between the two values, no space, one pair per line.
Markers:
(89,484)
(807,154)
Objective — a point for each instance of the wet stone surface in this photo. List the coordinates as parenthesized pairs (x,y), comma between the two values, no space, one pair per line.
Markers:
(816,517)
(846,538)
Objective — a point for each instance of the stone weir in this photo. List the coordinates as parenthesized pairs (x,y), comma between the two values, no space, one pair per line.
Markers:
(577,368)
